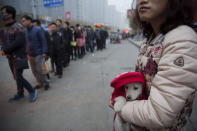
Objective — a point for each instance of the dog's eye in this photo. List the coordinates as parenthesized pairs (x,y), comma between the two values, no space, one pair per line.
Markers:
(135,88)
(126,87)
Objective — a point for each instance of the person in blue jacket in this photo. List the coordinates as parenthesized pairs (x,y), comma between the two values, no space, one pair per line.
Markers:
(37,51)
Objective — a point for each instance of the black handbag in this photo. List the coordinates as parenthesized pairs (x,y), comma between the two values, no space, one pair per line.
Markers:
(21,63)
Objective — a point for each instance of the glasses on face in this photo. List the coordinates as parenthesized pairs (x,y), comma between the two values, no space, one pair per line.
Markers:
(22,21)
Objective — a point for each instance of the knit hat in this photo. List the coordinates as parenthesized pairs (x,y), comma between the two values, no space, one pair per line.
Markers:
(123,79)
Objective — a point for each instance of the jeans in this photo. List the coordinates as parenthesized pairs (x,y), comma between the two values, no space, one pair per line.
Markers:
(36,64)
(20,80)
(22,83)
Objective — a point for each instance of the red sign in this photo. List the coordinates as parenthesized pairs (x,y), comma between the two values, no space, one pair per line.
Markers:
(68,16)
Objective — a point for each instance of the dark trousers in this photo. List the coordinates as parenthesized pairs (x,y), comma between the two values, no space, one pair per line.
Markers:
(90,46)
(73,52)
(57,57)
(102,44)
(99,44)
(53,64)
(81,51)
(20,80)
(67,55)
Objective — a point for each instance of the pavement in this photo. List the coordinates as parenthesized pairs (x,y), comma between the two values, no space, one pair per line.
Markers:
(135,42)
(77,102)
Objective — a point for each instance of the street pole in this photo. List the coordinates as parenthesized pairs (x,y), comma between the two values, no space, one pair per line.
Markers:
(132,4)
(34,9)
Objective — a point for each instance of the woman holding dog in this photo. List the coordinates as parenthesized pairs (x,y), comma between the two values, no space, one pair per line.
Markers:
(168,60)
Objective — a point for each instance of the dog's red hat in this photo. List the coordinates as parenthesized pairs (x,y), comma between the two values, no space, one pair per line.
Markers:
(124,79)
(127,78)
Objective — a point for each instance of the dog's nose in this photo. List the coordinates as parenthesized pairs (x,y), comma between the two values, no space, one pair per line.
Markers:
(128,98)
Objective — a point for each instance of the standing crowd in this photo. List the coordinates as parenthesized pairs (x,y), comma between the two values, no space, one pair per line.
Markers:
(28,42)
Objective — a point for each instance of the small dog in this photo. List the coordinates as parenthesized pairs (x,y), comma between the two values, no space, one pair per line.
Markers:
(128,86)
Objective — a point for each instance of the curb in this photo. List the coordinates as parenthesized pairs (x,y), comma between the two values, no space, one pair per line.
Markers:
(134,43)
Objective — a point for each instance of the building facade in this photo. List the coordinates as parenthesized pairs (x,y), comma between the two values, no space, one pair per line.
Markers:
(88,11)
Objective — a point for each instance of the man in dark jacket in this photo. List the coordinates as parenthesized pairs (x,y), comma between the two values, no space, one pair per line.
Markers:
(14,46)
(67,37)
(98,39)
(104,36)
(62,32)
(56,47)
(90,39)
(36,50)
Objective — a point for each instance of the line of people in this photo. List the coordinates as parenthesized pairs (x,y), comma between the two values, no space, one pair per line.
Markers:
(26,41)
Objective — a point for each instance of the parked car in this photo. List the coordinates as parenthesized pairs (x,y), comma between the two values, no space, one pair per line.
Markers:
(114,37)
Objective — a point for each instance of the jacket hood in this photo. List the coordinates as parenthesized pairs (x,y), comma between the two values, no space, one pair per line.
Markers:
(186,33)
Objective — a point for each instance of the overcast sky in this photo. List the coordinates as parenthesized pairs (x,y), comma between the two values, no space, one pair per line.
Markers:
(122,5)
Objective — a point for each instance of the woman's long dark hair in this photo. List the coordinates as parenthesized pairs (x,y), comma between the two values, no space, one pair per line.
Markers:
(179,12)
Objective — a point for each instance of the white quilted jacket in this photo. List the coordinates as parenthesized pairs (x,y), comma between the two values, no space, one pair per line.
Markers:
(173,85)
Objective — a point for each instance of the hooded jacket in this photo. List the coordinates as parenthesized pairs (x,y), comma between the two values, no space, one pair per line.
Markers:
(170,69)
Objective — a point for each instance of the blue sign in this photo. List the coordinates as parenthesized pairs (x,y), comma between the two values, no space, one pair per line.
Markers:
(52,3)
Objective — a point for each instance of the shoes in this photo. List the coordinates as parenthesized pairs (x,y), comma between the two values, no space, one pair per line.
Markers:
(33,96)
(59,76)
(46,87)
(66,65)
(38,87)
(16,97)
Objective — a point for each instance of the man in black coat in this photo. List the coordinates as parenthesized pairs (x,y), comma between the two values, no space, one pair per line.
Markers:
(61,32)
(67,37)
(104,36)
(90,39)
(56,48)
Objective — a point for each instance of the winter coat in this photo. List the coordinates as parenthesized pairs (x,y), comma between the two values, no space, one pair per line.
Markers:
(90,35)
(13,40)
(49,45)
(169,64)
(67,36)
(78,34)
(103,34)
(36,41)
(56,44)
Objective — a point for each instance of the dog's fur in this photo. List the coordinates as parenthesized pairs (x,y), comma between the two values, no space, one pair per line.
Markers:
(133,91)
